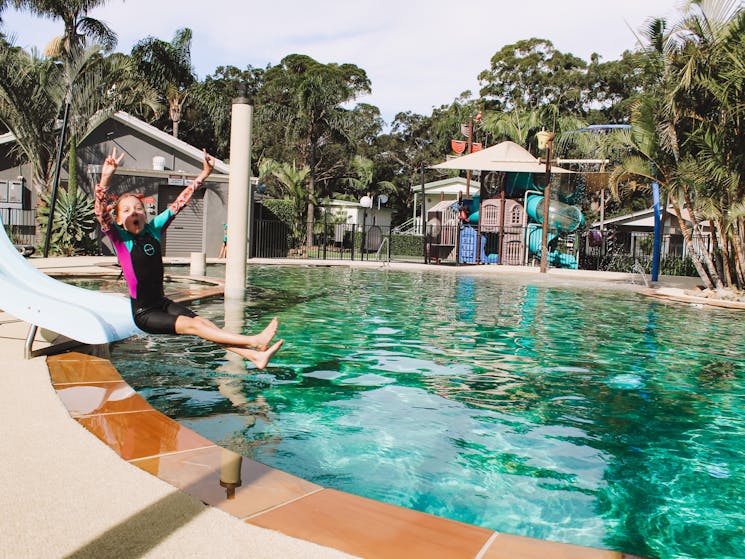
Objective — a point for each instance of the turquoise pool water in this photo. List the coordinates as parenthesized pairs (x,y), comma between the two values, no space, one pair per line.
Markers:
(571,413)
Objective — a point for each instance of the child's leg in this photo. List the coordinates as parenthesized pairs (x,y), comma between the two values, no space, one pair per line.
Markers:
(198,326)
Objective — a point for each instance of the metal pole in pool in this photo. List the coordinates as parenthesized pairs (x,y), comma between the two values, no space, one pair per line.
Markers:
(657,232)
(239,197)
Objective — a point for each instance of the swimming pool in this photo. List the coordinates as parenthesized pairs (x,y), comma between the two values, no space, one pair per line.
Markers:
(572,413)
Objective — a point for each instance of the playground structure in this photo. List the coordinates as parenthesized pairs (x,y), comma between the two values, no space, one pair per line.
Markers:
(510,226)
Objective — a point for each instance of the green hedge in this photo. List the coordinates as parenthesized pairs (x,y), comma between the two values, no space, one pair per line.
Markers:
(407,245)
(282,209)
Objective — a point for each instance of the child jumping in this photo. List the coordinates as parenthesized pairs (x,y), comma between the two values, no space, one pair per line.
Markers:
(137,245)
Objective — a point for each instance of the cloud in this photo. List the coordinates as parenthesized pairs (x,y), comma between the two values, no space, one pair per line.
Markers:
(418,54)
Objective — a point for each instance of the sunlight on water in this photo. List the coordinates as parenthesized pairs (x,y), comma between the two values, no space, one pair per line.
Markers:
(577,414)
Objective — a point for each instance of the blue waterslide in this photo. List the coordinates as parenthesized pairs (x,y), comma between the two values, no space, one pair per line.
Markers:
(562,217)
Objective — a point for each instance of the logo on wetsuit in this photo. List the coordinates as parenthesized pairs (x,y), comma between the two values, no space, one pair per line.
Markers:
(148,249)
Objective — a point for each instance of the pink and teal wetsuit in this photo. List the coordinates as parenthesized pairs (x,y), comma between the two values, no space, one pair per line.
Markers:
(141,259)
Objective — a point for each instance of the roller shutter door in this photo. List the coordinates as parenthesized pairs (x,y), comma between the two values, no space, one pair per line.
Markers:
(186,233)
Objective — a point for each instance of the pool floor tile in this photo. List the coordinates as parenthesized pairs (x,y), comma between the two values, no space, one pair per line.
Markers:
(80,368)
(104,397)
(372,529)
(506,546)
(142,434)
(211,474)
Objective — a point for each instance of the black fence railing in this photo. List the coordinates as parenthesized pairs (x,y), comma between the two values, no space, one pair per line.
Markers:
(334,241)
(618,251)
(20,225)
(452,244)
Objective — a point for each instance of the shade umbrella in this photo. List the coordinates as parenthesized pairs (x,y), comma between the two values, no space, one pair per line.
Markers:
(505,157)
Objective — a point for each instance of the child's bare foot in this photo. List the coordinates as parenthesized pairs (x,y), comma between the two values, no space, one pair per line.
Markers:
(259,358)
(265,337)
(266,356)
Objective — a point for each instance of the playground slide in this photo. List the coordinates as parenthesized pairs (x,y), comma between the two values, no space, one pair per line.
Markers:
(555,258)
(562,217)
(80,314)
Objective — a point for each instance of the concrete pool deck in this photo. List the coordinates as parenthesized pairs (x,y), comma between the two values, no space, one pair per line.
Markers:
(79,478)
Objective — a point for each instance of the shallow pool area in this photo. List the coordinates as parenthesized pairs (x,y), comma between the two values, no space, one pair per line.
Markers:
(572,413)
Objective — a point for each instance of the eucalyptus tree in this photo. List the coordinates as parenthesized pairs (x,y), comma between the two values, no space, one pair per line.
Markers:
(213,96)
(167,67)
(304,101)
(402,157)
(531,73)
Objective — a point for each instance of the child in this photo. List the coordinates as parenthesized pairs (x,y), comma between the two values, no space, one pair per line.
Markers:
(137,245)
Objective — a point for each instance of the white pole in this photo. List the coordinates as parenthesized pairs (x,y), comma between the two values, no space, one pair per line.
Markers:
(239,196)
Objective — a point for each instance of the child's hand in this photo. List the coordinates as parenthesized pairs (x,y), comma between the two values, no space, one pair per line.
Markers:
(110,165)
(208,165)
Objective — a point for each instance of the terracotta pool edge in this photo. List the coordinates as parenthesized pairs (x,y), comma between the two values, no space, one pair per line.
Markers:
(486,543)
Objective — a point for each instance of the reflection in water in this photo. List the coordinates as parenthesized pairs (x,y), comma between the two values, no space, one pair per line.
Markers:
(588,416)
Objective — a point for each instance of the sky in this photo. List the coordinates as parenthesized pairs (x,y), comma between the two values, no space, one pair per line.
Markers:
(418,54)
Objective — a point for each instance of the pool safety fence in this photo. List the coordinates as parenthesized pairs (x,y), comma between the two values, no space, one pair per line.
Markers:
(20,224)
(615,250)
(609,250)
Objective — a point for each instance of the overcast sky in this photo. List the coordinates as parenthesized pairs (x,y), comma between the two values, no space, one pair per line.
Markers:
(418,54)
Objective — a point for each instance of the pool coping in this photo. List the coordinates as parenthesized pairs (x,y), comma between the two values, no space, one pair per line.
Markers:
(288,504)
(145,438)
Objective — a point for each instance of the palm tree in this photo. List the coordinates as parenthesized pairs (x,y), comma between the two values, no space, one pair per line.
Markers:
(78,25)
(33,92)
(651,161)
(288,180)
(710,96)
(516,125)
(168,69)
(690,126)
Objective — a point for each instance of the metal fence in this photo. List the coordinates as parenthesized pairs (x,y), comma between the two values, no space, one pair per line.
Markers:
(334,241)
(20,225)
(452,244)
(618,251)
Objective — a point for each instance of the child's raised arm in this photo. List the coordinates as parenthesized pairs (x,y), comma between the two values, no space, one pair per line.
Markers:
(186,194)
(108,169)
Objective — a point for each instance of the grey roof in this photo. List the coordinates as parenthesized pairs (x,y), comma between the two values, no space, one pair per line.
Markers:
(152,132)
(166,138)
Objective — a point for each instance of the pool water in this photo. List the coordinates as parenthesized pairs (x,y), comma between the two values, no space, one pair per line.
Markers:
(574,413)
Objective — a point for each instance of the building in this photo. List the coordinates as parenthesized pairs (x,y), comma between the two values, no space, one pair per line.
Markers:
(636,230)
(436,192)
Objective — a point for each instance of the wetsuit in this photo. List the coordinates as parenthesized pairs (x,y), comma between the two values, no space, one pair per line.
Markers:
(141,259)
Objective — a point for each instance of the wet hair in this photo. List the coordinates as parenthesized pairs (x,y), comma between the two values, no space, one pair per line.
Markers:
(114,206)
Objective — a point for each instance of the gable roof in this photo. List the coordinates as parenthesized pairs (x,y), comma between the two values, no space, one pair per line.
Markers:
(166,138)
(451,185)
(151,132)
(645,218)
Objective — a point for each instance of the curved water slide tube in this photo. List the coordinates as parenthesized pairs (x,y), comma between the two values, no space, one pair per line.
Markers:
(80,314)
(562,217)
